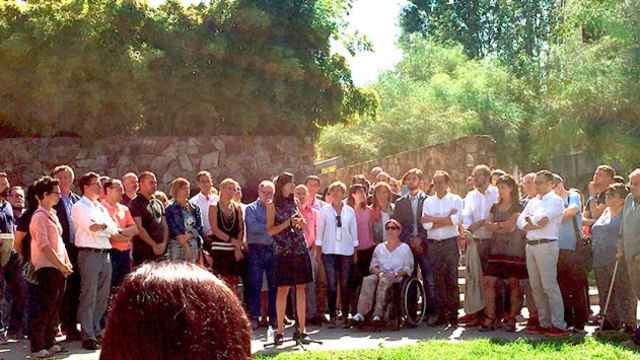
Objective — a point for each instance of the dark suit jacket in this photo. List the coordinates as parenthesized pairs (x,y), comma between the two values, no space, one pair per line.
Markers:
(64,221)
(404,214)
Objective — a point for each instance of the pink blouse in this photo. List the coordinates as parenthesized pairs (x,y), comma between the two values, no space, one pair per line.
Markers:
(364,218)
(46,231)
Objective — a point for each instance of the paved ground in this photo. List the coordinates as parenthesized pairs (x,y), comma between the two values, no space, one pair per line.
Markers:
(333,339)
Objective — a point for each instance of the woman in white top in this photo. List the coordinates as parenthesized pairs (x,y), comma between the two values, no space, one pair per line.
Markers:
(336,242)
(392,260)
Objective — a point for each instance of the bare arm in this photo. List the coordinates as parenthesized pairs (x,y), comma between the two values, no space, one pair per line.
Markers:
(509,225)
(142,232)
(272,228)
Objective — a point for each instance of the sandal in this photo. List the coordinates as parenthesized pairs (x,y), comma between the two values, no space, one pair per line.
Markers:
(301,338)
(278,340)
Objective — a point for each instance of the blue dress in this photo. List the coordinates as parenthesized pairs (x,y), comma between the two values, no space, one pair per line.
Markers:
(292,264)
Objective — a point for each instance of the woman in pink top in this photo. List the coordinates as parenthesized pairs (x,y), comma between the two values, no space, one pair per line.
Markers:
(364,219)
(51,262)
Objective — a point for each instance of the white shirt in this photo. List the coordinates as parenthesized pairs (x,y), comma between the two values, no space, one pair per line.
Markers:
(336,240)
(477,207)
(318,204)
(441,207)
(398,260)
(85,213)
(203,203)
(550,206)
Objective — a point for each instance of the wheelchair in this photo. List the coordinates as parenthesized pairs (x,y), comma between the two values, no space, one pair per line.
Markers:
(406,305)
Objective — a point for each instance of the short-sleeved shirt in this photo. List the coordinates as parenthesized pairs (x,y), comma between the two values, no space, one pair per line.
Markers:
(46,231)
(365,236)
(507,244)
(150,213)
(122,216)
(567,237)
(604,238)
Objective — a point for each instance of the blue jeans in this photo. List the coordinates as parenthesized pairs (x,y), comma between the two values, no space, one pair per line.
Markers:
(121,267)
(422,260)
(260,261)
(338,268)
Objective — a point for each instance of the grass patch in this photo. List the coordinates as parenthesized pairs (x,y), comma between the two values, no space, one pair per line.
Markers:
(570,349)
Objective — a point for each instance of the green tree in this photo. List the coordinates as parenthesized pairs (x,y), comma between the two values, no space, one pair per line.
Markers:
(592,100)
(105,67)
(516,32)
(435,94)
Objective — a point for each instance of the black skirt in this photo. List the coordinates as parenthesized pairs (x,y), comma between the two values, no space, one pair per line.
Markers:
(224,263)
(292,270)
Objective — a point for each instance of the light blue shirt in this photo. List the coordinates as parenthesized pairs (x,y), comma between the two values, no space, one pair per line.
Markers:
(256,224)
(567,237)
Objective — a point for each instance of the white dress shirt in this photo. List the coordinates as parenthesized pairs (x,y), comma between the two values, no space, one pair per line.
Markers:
(477,207)
(85,213)
(550,206)
(203,203)
(398,260)
(317,204)
(441,207)
(336,240)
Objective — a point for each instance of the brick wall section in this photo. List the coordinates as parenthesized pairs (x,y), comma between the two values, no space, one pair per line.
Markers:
(246,159)
(457,157)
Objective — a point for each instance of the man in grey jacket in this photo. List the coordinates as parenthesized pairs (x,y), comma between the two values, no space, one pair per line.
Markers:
(629,240)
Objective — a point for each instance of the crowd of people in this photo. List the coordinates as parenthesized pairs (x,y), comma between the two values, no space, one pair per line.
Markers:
(318,257)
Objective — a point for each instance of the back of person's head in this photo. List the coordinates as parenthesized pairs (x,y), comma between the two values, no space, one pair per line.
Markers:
(166,311)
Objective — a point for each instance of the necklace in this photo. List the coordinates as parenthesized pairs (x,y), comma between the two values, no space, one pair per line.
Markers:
(228,221)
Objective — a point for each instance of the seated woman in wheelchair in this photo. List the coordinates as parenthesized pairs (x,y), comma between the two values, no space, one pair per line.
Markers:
(391,262)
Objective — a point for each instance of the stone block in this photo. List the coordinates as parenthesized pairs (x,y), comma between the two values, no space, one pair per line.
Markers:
(210,161)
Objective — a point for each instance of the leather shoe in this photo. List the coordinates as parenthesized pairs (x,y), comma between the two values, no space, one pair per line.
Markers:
(90,344)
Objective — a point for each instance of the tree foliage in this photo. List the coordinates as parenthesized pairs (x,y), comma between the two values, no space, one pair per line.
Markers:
(515,31)
(105,67)
(563,79)
(435,94)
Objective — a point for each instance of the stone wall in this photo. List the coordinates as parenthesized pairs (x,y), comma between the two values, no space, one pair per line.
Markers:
(246,159)
(457,157)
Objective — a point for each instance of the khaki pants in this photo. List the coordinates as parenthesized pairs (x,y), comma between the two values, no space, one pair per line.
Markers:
(374,290)
(542,266)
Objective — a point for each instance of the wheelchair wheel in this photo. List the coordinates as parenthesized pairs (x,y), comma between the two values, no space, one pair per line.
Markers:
(414,302)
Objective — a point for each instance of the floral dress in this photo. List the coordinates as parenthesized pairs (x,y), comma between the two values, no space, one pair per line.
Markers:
(292,264)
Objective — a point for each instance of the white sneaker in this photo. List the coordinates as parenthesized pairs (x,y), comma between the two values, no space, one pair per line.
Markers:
(358,318)
(376,318)
(42,354)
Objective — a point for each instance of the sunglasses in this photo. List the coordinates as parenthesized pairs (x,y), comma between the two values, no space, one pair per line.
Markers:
(338,221)
(388,228)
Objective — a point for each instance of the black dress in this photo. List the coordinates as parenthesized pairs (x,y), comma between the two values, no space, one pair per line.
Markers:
(292,264)
(223,252)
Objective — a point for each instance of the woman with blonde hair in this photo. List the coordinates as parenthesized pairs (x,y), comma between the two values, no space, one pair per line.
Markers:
(185,224)
(225,245)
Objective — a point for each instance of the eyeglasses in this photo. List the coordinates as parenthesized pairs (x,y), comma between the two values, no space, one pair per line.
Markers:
(389,228)
(54,192)
(338,221)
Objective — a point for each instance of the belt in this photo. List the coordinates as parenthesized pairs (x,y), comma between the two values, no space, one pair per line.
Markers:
(540,241)
(101,251)
(481,239)
(436,241)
